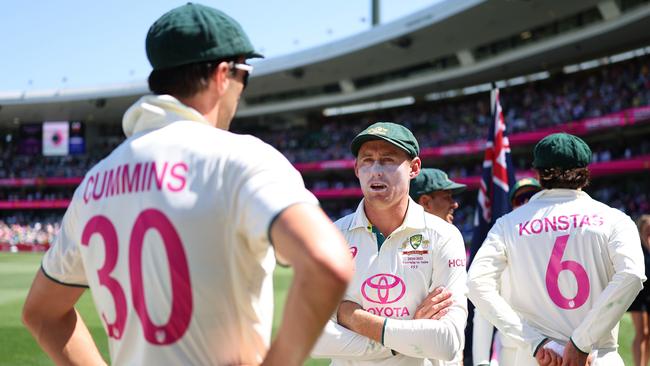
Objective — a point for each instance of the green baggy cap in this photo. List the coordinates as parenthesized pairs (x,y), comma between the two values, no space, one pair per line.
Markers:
(561,150)
(393,133)
(195,33)
(431,180)
(521,183)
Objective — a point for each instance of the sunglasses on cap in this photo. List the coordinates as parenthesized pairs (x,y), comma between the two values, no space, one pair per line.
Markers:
(244,67)
(520,199)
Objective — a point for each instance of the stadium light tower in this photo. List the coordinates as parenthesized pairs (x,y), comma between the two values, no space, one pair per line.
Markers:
(374,9)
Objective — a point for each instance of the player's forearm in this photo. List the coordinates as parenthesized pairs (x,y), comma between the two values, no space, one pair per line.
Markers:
(484,295)
(607,311)
(314,294)
(481,339)
(342,343)
(65,339)
(426,338)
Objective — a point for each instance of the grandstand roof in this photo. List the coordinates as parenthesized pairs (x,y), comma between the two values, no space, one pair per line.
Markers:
(451,44)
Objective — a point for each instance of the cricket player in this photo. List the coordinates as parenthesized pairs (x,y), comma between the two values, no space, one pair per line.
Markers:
(177,231)
(574,263)
(433,190)
(505,348)
(401,255)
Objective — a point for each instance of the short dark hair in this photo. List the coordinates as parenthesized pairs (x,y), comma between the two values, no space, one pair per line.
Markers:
(576,178)
(185,80)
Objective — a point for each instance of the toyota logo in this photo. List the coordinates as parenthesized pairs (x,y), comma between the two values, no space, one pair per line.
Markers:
(383,288)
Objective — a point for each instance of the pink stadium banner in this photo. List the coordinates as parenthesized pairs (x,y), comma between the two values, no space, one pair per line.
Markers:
(50,182)
(581,128)
(5,247)
(636,164)
(34,204)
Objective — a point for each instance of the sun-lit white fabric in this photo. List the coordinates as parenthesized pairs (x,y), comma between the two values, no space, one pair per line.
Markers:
(575,266)
(425,252)
(219,193)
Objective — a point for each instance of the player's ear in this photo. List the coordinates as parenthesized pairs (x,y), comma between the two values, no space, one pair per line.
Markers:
(423,200)
(220,77)
(356,167)
(416,164)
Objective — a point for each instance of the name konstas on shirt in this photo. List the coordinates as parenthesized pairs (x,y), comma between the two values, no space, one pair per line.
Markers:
(558,223)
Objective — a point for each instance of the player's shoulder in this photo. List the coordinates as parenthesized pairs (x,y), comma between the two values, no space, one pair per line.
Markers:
(345,222)
(440,228)
(608,213)
(215,143)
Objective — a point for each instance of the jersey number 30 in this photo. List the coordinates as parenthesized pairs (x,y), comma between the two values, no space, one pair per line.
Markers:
(181,309)
(555,266)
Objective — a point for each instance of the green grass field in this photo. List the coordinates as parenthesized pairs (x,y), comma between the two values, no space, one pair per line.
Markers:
(17,347)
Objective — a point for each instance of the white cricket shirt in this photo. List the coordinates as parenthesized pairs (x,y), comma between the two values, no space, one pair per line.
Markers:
(391,280)
(171,234)
(575,265)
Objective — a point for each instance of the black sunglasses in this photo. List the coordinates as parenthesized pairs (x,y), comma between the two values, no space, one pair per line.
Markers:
(244,67)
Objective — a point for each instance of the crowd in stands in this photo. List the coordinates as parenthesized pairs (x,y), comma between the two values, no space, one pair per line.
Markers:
(29,228)
(559,99)
(628,194)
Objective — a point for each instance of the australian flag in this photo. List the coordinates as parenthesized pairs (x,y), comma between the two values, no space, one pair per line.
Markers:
(497,178)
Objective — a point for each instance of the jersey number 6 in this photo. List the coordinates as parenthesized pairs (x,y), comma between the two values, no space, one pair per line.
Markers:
(555,266)
(181,311)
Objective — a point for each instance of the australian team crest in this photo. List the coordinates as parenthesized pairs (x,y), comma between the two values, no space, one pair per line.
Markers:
(415,241)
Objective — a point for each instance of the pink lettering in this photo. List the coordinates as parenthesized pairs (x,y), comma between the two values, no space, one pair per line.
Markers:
(564,221)
(91,180)
(98,195)
(548,223)
(584,221)
(539,227)
(459,262)
(598,221)
(180,177)
(144,177)
(390,312)
(575,219)
(523,227)
(113,183)
(153,174)
(128,182)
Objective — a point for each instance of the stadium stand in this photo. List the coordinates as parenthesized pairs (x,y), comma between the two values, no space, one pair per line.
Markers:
(578,76)
(30,184)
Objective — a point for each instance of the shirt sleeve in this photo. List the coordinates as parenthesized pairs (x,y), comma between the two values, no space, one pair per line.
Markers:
(339,342)
(484,276)
(63,262)
(437,339)
(481,339)
(627,257)
(263,184)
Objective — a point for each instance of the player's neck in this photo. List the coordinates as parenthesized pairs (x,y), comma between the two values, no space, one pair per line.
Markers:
(387,218)
(205,104)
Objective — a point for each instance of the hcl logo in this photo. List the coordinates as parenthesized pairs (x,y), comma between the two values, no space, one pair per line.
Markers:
(383,288)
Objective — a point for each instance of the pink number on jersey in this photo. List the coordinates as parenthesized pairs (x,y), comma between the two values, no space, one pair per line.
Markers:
(181,312)
(103,226)
(555,266)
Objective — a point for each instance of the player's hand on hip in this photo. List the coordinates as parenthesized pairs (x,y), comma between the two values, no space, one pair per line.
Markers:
(574,357)
(435,305)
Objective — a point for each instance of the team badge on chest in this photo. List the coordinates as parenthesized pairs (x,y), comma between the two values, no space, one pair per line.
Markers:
(414,251)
